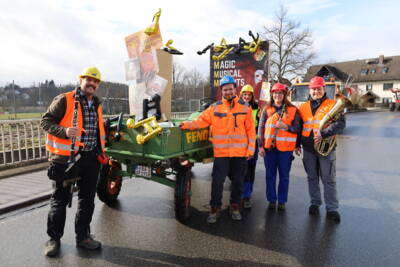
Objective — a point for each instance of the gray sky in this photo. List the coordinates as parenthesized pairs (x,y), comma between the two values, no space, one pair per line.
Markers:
(56,39)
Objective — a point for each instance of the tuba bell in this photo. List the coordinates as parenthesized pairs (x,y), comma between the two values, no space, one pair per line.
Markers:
(326,145)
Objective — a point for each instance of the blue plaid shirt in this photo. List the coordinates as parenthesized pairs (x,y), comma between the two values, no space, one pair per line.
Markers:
(90,123)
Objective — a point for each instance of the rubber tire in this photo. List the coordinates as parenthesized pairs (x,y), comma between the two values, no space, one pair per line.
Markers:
(183,186)
(108,187)
(392,107)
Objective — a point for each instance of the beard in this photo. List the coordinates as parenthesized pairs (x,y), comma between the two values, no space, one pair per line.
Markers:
(87,90)
(230,98)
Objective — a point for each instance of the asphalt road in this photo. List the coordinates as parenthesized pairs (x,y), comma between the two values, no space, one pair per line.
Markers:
(141,229)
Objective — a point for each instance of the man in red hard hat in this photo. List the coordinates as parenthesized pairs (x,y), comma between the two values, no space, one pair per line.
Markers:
(320,167)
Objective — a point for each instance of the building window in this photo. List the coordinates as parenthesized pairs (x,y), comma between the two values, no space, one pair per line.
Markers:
(387,86)
(364,71)
(387,100)
(373,71)
(385,70)
(368,87)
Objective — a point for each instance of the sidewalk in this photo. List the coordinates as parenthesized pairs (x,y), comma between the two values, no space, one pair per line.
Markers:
(19,190)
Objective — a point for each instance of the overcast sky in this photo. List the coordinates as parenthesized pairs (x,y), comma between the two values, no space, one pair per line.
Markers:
(56,39)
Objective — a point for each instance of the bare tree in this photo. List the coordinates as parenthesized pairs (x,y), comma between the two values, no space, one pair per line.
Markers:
(291,47)
(193,78)
(178,72)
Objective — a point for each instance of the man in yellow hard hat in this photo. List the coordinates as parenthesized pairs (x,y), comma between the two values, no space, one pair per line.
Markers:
(75,138)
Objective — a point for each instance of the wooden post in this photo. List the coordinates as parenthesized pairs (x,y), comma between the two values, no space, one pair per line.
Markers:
(165,65)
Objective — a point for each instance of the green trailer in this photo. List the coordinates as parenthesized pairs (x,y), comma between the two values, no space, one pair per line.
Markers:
(166,158)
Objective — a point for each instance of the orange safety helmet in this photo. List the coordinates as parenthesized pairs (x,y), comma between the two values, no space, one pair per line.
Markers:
(278,87)
(316,82)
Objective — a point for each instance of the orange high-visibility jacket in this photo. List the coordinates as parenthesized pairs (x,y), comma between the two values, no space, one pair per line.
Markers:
(284,140)
(233,131)
(311,122)
(61,146)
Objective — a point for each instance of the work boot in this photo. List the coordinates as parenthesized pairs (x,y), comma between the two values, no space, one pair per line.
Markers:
(235,212)
(333,216)
(88,243)
(313,210)
(212,217)
(247,204)
(272,206)
(52,248)
(281,206)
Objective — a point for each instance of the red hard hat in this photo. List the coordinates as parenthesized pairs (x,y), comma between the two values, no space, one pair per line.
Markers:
(278,87)
(316,82)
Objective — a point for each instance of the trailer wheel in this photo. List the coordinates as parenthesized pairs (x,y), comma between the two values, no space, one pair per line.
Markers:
(109,184)
(183,194)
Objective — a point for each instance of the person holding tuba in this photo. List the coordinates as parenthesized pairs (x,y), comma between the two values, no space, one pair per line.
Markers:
(322,120)
(279,127)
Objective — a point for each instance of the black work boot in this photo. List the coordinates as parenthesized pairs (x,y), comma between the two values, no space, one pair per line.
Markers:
(52,248)
(313,210)
(333,216)
(88,243)
(281,206)
(272,206)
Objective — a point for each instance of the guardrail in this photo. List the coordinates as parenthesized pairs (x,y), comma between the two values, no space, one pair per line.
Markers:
(24,142)
(21,141)
(180,115)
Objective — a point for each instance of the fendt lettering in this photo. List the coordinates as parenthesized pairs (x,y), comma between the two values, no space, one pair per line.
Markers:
(196,136)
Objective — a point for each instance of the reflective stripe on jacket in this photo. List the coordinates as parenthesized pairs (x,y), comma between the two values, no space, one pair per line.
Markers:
(233,131)
(310,121)
(61,146)
(284,140)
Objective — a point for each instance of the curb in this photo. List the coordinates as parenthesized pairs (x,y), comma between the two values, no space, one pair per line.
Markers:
(23,170)
(24,203)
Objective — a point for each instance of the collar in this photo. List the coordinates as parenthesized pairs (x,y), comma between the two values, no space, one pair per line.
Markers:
(82,96)
(318,101)
(232,103)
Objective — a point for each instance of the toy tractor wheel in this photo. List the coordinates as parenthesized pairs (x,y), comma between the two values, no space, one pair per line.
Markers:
(183,193)
(109,184)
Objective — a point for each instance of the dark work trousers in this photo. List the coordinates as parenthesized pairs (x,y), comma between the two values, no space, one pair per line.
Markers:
(321,168)
(87,168)
(236,167)
(277,161)
(250,175)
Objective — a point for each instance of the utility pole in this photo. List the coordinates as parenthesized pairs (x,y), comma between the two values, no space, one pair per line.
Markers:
(15,106)
(40,98)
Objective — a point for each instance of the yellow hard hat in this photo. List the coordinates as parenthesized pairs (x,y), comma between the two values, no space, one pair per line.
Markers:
(247,88)
(91,72)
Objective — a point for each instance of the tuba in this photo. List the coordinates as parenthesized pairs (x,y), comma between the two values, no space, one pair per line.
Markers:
(325,146)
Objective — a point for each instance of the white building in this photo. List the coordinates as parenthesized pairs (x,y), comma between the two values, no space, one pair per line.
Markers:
(374,77)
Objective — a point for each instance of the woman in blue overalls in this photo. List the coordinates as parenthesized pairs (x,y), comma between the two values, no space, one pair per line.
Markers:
(279,127)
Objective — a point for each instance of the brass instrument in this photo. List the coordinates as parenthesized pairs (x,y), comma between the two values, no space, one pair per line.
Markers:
(151,127)
(325,146)
(223,48)
(153,29)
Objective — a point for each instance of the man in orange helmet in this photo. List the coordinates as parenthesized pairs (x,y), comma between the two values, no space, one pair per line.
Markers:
(233,137)
(74,116)
(320,167)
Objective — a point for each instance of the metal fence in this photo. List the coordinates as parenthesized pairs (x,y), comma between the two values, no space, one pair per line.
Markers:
(180,115)
(24,142)
(21,141)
